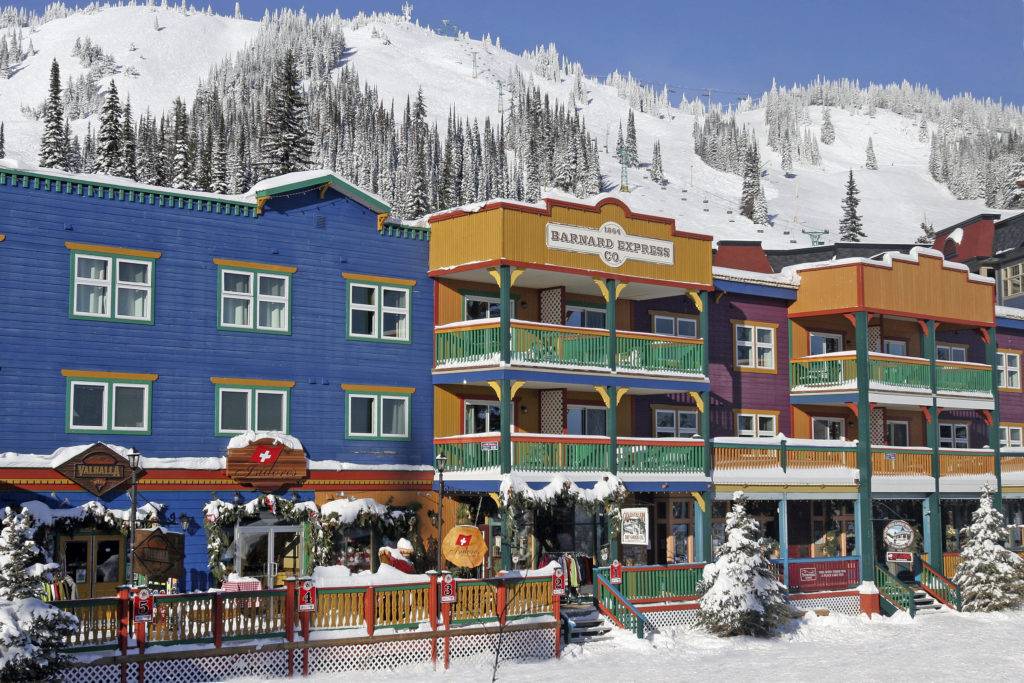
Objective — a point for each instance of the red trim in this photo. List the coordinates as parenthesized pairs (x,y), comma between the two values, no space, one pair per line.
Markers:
(853,406)
(661,568)
(529,265)
(683,598)
(671,608)
(903,314)
(927,414)
(851,319)
(986,416)
(924,326)
(984,335)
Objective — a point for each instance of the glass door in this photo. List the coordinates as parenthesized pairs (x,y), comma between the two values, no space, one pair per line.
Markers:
(95,562)
(269,553)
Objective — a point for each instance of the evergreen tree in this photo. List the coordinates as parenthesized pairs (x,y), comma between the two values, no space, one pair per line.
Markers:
(828,132)
(128,167)
(285,145)
(850,226)
(656,172)
(3,151)
(33,632)
(751,181)
(871,163)
(219,172)
(52,148)
(108,152)
(761,216)
(740,592)
(632,154)
(181,161)
(927,236)
(787,154)
(922,130)
(990,577)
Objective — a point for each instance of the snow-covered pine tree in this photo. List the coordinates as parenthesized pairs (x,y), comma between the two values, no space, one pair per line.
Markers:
(632,154)
(990,577)
(108,152)
(181,161)
(656,172)
(850,226)
(52,150)
(3,150)
(32,641)
(761,216)
(128,167)
(285,145)
(828,131)
(219,171)
(787,154)
(751,181)
(922,130)
(871,163)
(740,592)
(927,236)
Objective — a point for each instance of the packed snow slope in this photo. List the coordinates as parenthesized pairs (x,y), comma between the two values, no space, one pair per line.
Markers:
(399,57)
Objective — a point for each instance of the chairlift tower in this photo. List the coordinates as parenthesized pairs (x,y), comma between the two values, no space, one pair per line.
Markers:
(501,99)
(624,180)
(815,236)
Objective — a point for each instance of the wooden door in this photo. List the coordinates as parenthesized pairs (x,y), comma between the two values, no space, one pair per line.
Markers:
(95,562)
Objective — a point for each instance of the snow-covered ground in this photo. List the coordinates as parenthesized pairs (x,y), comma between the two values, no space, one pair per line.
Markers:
(939,647)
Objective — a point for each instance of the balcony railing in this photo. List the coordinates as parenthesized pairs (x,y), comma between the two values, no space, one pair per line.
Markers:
(838,371)
(900,461)
(476,343)
(660,455)
(737,453)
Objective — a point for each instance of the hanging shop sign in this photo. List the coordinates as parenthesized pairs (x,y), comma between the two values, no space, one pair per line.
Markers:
(615,572)
(898,535)
(307,596)
(266,466)
(448,592)
(98,469)
(159,555)
(143,604)
(613,245)
(907,558)
(464,546)
(635,526)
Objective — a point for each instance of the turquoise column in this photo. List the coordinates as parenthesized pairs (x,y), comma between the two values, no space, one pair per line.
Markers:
(613,407)
(505,401)
(702,530)
(784,537)
(866,532)
(705,415)
(609,318)
(992,359)
(932,513)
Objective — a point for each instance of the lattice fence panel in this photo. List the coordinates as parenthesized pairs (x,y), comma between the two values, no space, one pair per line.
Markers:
(384,656)
(98,674)
(875,338)
(877,425)
(474,651)
(256,664)
(552,306)
(552,411)
(679,617)
(841,604)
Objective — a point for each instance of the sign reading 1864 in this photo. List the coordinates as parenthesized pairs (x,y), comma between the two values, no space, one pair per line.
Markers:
(611,243)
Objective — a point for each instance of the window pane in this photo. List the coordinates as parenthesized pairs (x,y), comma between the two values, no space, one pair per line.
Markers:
(393,420)
(364,295)
(394,326)
(574,421)
(958,353)
(665,419)
(743,333)
(594,320)
(91,268)
(91,299)
(273,314)
(132,303)
(766,425)
(395,298)
(236,312)
(765,357)
(234,410)
(136,273)
(482,418)
(743,355)
(269,412)
(360,415)
(596,422)
(238,283)
(363,322)
(477,309)
(764,335)
(687,423)
(664,325)
(87,405)
(273,286)
(745,424)
(942,353)
(688,328)
(129,407)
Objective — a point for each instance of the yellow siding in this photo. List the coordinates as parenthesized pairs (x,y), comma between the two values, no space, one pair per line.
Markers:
(904,330)
(928,290)
(464,239)
(447,413)
(826,289)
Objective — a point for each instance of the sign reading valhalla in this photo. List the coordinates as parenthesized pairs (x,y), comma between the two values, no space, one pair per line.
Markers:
(611,243)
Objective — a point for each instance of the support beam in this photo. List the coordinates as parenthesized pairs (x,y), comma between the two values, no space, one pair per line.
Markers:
(612,427)
(784,537)
(865,534)
(933,503)
(611,292)
(992,359)
(505,451)
(702,531)
(505,332)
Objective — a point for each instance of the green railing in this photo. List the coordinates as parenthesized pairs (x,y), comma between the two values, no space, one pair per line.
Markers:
(466,346)
(536,345)
(964,379)
(894,591)
(658,354)
(898,373)
(614,604)
(559,454)
(652,455)
(659,582)
(939,587)
(469,453)
(822,373)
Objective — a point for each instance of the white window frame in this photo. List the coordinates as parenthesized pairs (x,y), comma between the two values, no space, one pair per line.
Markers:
(1011,436)
(585,408)
(377,414)
(953,440)
(889,432)
(584,310)
(950,351)
(757,429)
(252,407)
(109,408)
(254,299)
(477,297)
(1012,277)
(754,345)
(829,421)
(838,338)
(378,309)
(887,345)
(676,413)
(488,404)
(1009,373)
(113,286)
(677,322)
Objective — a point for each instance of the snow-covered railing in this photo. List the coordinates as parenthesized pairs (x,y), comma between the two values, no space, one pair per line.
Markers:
(738,453)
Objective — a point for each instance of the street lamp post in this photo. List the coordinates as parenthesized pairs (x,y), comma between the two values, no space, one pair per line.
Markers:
(441,461)
(133,460)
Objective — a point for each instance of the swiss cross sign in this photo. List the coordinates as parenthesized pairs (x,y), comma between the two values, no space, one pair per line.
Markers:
(448,592)
(143,604)
(266,455)
(307,596)
(462,541)
(558,582)
(615,572)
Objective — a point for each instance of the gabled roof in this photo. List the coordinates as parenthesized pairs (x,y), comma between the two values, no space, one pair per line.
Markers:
(298,180)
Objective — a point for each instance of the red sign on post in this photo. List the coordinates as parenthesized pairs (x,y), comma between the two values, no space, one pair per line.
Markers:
(448,592)
(615,572)
(558,582)
(143,604)
(892,556)
(307,596)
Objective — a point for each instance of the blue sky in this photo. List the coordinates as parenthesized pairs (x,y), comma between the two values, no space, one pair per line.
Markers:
(738,46)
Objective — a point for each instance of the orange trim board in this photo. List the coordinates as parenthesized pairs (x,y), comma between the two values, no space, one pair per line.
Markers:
(255,266)
(97,374)
(237,381)
(118,251)
(379,278)
(380,389)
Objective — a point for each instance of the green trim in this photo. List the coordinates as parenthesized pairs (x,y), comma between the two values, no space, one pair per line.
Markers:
(379,410)
(112,316)
(255,312)
(109,399)
(252,406)
(340,185)
(377,338)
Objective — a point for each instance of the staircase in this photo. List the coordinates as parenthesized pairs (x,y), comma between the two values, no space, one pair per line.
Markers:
(584,624)
(923,602)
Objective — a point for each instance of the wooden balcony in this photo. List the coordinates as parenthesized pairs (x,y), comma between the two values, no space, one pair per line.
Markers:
(838,372)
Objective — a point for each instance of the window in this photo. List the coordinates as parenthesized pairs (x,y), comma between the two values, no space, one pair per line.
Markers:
(894,347)
(1008,367)
(1011,436)
(114,284)
(830,428)
(673,423)
(377,412)
(1013,280)
(585,316)
(108,402)
(754,346)
(481,307)
(482,417)
(822,342)
(242,405)
(950,352)
(897,433)
(586,421)
(953,435)
(254,299)
(379,308)
(755,424)
(674,325)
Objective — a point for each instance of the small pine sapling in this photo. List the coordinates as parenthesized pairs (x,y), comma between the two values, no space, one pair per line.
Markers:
(990,577)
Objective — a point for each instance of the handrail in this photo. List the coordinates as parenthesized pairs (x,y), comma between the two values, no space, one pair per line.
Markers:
(940,588)
(619,609)
(658,582)
(895,592)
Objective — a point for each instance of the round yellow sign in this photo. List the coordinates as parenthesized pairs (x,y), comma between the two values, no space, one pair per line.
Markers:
(464,546)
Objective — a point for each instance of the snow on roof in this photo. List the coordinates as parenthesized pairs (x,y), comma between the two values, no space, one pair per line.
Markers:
(886,259)
(789,280)
(245,438)
(348,510)
(1010,312)
(297,179)
(606,485)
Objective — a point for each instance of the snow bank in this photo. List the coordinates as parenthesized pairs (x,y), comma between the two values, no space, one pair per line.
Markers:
(245,438)
(386,575)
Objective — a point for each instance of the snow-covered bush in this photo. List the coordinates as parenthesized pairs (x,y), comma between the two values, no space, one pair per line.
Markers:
(32,632)
(741,592)
(990,577)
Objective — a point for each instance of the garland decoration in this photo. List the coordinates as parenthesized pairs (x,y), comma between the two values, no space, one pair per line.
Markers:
(90,515)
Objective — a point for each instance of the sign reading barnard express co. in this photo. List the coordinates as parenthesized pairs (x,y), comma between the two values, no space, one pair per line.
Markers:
(613,245)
